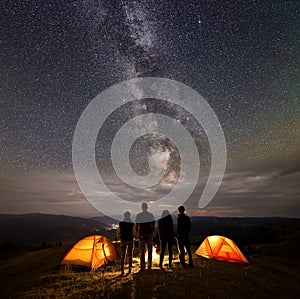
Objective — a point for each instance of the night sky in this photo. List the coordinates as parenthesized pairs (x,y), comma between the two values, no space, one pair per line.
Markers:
(241,56)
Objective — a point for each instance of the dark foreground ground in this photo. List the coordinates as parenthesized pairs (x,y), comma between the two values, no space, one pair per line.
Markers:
(35,275)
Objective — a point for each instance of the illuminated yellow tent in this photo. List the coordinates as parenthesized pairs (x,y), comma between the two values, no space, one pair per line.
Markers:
(221,248)
(91,251)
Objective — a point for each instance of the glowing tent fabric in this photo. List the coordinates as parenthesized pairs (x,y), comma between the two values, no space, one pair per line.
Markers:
(221,248)
(91,251)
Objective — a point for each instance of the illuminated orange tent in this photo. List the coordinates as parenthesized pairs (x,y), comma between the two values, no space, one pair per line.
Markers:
(91,251)
(221,248)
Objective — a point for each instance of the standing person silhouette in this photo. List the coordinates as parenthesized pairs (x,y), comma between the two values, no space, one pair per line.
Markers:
(145,225)
(166,235)
(183,231)
(126,233)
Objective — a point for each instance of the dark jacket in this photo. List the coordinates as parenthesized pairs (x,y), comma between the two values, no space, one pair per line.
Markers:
(145,223)
(165,228)
(183,226)
(126,231)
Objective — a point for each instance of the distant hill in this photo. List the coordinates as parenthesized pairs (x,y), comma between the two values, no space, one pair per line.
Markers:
(35,229)
(32,230)
(105,220)
(248,231)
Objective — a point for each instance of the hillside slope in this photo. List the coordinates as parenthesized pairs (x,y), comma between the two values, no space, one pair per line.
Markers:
(38,277)
(34,229)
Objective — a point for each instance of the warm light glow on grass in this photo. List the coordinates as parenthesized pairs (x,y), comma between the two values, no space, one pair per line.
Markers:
(155,258)
(155,255)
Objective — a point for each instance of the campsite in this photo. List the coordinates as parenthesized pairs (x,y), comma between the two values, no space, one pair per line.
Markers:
(272,271)
(175,122)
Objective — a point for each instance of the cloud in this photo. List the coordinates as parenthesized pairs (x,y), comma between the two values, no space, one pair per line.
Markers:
(45,193)
(256,194)
(289,170)
(242,193)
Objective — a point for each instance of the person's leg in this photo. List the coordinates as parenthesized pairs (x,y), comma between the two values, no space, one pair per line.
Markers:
(188,250)
(149,240)
(163,244)
(181,252)
(142,246)
(129,255)
(170,244)
(123,254)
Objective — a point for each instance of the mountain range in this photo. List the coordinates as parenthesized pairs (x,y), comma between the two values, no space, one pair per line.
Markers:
(35,229)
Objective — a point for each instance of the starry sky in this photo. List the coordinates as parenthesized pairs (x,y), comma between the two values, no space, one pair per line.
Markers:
(241,56)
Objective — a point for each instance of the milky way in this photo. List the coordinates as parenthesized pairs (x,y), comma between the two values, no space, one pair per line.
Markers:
(243,58)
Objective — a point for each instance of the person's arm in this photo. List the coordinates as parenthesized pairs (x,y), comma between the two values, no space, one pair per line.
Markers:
(153,224)
(137,226)
(118,232)
(172,229)
(135,231)
(159,227)
(153,227)
(178,226)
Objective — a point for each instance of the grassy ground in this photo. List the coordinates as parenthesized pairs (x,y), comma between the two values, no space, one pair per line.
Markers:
(18,273)
(35,275)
